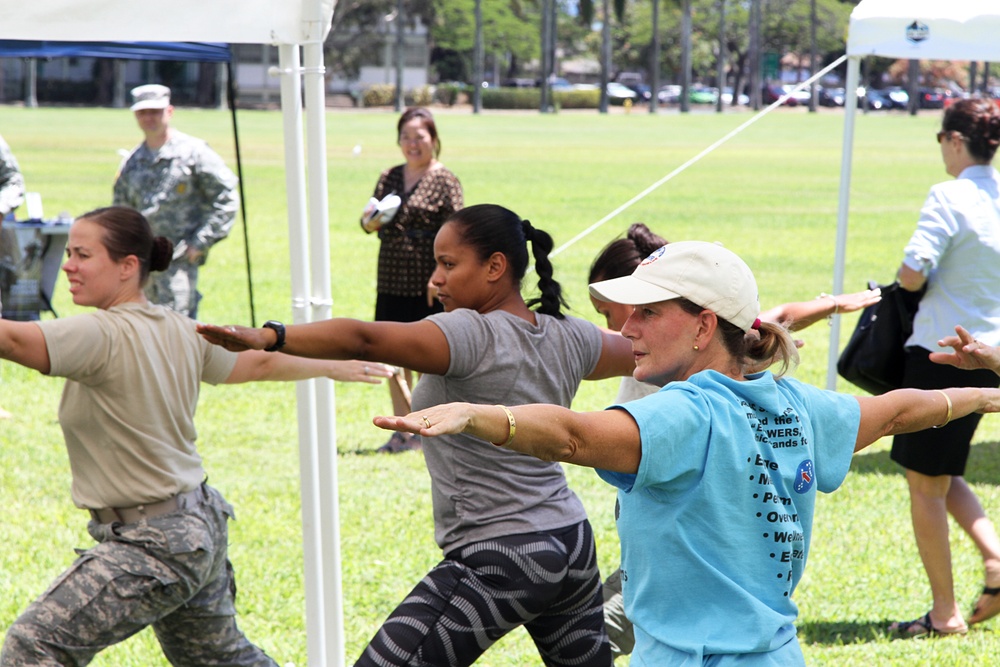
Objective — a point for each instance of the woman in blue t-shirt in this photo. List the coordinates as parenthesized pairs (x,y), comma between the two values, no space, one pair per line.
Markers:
(718,471)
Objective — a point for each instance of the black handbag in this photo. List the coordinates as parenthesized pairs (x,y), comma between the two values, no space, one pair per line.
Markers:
(874,358)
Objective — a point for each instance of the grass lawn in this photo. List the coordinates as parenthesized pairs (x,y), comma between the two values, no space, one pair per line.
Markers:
(770,194)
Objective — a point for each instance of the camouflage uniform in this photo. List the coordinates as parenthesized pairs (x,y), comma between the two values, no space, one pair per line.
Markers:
(169,571)
(188,195)
(11,181)
(11,196)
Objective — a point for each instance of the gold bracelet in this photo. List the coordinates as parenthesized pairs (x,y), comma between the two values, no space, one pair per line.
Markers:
(947,417)
(513,426)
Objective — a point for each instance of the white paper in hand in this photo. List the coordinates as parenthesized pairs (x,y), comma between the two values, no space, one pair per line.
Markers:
(388,207)
(378,213)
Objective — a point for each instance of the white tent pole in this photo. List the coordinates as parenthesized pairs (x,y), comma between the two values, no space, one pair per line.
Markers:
(291,105)
(843,206)
(321,309)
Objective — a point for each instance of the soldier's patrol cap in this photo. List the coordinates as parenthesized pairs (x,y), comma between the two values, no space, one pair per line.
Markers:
(150,96)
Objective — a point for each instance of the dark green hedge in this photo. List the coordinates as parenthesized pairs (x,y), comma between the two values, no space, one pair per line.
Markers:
(511,98)
(578,99)
(530,98)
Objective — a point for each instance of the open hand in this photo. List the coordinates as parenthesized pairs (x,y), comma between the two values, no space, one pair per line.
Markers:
(360,371)
(235,338)
(969,353)
(438,420)
(848,303)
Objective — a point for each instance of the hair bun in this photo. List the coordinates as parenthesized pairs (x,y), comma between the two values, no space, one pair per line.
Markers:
(161,254)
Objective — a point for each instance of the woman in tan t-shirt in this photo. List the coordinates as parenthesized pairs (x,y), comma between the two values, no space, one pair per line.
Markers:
(133,372)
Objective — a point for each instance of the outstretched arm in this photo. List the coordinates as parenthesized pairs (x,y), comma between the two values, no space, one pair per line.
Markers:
(256,366)
(420,346)
(969,353)
(800,314)
(909,410)
(616,358)
(24,343)
(607,439)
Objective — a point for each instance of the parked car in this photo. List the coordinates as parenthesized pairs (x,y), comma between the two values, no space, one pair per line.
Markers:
(800,96)
(703,95)
(697,94)
(874,99)
(898,96)
(643,93)
(669,94)
(831,97)
(727,97)
(770,94)
(559,83)
(629,79)
(618,93)
(931,98)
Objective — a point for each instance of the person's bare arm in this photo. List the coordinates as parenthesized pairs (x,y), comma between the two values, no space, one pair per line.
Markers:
(257,366)
(607,439)
(801,314)
(909,410)
(910,279)
(419,346)
(23,343)
(616,358)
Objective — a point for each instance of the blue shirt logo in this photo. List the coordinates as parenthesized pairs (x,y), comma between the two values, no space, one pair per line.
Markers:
(804,477)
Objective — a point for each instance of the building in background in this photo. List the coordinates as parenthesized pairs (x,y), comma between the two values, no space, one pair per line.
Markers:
(105,81)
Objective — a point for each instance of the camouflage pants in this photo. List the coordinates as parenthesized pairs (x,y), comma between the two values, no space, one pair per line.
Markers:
(619,628)
(170,572)
(176,288)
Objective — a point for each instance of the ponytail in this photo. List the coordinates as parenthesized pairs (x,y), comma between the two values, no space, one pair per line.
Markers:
(550,301)
(772,346)
(757,349)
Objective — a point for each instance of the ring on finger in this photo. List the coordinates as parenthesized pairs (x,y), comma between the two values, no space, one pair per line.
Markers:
(426,421)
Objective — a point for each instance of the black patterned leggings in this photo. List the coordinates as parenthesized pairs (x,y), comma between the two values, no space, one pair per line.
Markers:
(548,582)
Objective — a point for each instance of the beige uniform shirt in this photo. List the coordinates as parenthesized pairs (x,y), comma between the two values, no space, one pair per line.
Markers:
(133,373)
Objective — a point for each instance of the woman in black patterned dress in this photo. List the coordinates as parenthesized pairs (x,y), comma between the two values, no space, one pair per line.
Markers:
(429,194)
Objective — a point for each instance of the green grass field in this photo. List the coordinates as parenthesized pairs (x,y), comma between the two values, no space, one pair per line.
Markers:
(770,194)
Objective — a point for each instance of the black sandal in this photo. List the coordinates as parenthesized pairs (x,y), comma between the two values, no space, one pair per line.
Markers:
(922,627)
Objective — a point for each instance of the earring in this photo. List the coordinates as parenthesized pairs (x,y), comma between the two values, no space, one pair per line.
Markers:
(695,348)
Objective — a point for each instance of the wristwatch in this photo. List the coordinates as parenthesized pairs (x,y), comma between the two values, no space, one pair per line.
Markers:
(279,329)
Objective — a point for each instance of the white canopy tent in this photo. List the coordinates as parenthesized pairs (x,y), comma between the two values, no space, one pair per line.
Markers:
(915,30)
(289,24)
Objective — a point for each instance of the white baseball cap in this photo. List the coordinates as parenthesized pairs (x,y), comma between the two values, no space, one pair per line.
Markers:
(705,274)
(150,96)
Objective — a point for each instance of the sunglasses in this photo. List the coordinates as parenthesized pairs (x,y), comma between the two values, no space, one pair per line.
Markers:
(944,133)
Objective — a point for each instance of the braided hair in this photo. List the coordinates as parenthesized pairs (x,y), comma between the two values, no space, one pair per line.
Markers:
(489,228)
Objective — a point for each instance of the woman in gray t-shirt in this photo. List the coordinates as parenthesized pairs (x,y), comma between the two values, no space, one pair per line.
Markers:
(518,549)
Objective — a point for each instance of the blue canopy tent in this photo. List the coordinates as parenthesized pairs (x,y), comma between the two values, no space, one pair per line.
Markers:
(185,51)
(194,51)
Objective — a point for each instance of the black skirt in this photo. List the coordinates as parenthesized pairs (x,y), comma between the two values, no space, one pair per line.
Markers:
(939,451)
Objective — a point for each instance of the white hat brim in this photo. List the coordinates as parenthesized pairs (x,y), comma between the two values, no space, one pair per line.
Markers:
(630,291)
